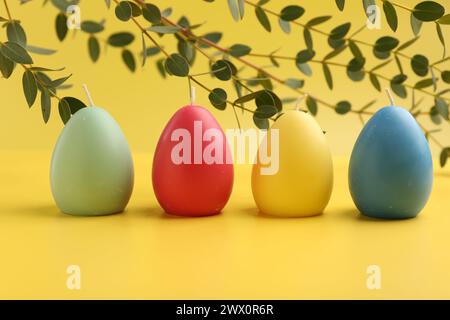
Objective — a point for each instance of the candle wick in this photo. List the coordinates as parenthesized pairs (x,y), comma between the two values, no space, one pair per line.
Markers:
(391,98)
(88,95)
(192,95)
(299,101)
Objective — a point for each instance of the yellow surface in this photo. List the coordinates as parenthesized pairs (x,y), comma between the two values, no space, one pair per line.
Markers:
(144,253)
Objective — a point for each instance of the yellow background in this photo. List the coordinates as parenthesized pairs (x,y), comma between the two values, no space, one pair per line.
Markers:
(239,254)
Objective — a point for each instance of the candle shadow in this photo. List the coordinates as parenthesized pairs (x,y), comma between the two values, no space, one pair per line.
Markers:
(158,213)
(355,215)
(255,212)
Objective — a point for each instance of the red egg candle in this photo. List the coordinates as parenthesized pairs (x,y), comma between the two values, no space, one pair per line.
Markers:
(192,167)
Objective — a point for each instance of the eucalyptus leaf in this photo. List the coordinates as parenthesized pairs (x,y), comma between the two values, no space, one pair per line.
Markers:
(120,39)
(64,110)
(304,68)
(164,29)
(291,13)
(308,39)
(91,27)
(93,48)
(294,83)
(340,31)
(442,108)
(15,52)
(46,105)
(391,15)
(263,18)
(29,87)
(304,56)
(16,33)
(343,107)
(262,124)
(317,20)
(239,50)
(40,50)
(151,13)
(74,104)
(375,82)
(6,66)
(420,65)
(428,11)
(177,65)
(328,76)
(213,37)
(237,9)
(218,98)
(445,19)
(223,70)
(386,43)
(311,104)
(285,26)
(445,75)
(61,26)
(416,25)
(340,4)
(123,11)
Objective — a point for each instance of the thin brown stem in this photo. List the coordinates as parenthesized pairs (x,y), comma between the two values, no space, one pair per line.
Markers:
(7,10)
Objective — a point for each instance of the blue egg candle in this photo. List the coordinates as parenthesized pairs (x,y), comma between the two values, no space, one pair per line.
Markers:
(391,168)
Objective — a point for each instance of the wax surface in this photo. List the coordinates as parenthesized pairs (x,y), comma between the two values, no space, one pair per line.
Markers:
(92,168)
(391,169)
(195,189)
(302,186)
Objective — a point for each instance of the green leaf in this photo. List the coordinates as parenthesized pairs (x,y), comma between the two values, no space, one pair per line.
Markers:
(328,76)
(164,29)
(308,39)
(340,31)
(399,64)
(94,48)
(285,26)
(294,83)
(262,124)
(416,25)
(74,104)
(265,112)
(263,19)
(356,65)
(399,79)
(318,20)
(441,38)
(311,104)
(291,13)
(340,4)
(343,107)
(58,82)
(64,110)
(445,153)
(6,66)
(61,26)
(213,37)
(218,98)
(304,68)
(16,33)
(446,76)
(434,116)
(385,44)
(399,89)
(144,50)
(239,50)
(391,15)
(128,59)
(428,11)
(334,53)
(375,82)
(223,70)
(177,65)
(123,11)
(355,75)
(425,83)
(151,51)
(151,13)
(91,27)
(237,9)
(39,50)
(407,44)
(247,98)
(136,10)
(304,56)
(420,65)
(187,50)
(357,54)
(120,39)
(29,87)
(15,52)
(46,105)
(268,98)
(445,19)
(441,107)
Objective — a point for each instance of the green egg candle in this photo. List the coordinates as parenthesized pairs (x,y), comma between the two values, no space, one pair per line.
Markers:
(91,171)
